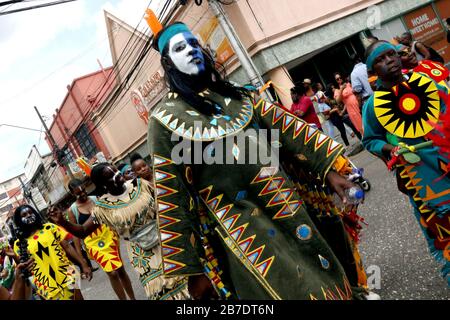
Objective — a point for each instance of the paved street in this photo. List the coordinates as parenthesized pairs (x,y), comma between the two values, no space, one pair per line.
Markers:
(392,241)
(99,288)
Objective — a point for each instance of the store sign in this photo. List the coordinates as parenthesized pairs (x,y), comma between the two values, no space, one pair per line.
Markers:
(141,97)
(152,87)
(425,26)
(214,40)
(139,103)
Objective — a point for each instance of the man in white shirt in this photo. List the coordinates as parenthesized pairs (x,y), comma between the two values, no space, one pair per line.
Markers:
(360,81)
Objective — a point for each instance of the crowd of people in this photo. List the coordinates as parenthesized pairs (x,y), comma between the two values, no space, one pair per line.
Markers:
(246,230)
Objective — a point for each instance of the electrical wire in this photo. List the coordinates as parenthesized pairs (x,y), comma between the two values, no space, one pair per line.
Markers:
(36,7)
(113,73)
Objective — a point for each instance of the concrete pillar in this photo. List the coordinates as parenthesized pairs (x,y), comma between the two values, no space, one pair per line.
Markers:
(283,84)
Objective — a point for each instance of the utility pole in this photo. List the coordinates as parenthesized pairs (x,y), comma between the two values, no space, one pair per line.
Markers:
(27,194)
(241,52)
(58,158)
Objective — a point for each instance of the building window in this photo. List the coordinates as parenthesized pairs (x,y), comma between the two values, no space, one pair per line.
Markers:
(68,156)
(85,141)
(4,195)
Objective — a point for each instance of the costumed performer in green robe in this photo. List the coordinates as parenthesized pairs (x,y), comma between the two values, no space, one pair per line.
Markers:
(225,213)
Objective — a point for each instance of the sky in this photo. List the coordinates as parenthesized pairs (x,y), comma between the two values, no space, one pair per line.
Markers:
(42,51)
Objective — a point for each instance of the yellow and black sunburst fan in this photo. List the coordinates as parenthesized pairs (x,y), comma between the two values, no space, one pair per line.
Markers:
(408,110)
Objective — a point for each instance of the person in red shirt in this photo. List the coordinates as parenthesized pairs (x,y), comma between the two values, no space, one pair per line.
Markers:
(303,107)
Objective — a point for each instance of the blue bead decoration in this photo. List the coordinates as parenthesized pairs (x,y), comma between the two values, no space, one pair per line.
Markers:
(213,122)
(271,233)
(324,262)
(304,232)
(101,244)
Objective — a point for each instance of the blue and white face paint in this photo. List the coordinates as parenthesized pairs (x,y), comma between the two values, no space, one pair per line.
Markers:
(186,54)
(29,219)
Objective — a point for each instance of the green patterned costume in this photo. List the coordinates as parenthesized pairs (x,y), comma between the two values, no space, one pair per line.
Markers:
(260,240)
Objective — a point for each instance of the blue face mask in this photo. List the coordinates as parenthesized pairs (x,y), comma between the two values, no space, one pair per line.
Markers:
(186,54)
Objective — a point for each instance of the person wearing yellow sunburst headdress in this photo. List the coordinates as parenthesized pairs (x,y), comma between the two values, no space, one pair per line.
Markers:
(401,122)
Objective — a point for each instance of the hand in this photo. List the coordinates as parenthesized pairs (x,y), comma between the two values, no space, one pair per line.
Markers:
(339,184)
(10,252)
(86,272)
(201,288)
(55,215)
(29,265)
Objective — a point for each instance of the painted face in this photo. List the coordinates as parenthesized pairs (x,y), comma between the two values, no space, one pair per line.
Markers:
(129,174)
(27,216)
(114,180)
(388,65)
(185,53)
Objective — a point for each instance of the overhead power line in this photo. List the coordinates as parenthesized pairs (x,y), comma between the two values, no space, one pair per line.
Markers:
(7,3)
(34,7)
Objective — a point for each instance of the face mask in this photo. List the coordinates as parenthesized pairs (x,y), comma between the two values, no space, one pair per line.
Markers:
(185,53)
(29,220)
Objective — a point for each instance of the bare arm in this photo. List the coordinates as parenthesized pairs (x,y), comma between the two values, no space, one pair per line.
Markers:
(80,231)
(76,240)
(20,290)
(339,95)
(423,50)
(4,294)
(344,110)
(73,255)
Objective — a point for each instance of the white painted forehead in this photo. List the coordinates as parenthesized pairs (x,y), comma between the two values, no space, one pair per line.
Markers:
(179,37)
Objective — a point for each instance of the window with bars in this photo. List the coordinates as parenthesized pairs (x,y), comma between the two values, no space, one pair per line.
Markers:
(85,141)
(67,154)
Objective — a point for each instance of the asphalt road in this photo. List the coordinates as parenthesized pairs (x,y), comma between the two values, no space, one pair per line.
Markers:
(393,241)
(392,246)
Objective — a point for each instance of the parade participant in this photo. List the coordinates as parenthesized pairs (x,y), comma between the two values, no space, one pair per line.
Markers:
(53,274)
(418,48)
(260,241)
(401,114)
(434,70)
(126,171)
(20,290)
(103,244)
(140,167)
(127,207)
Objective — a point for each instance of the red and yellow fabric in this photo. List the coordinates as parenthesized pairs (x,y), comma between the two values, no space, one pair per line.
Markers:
(53,274)
(435,70)
(103,246)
